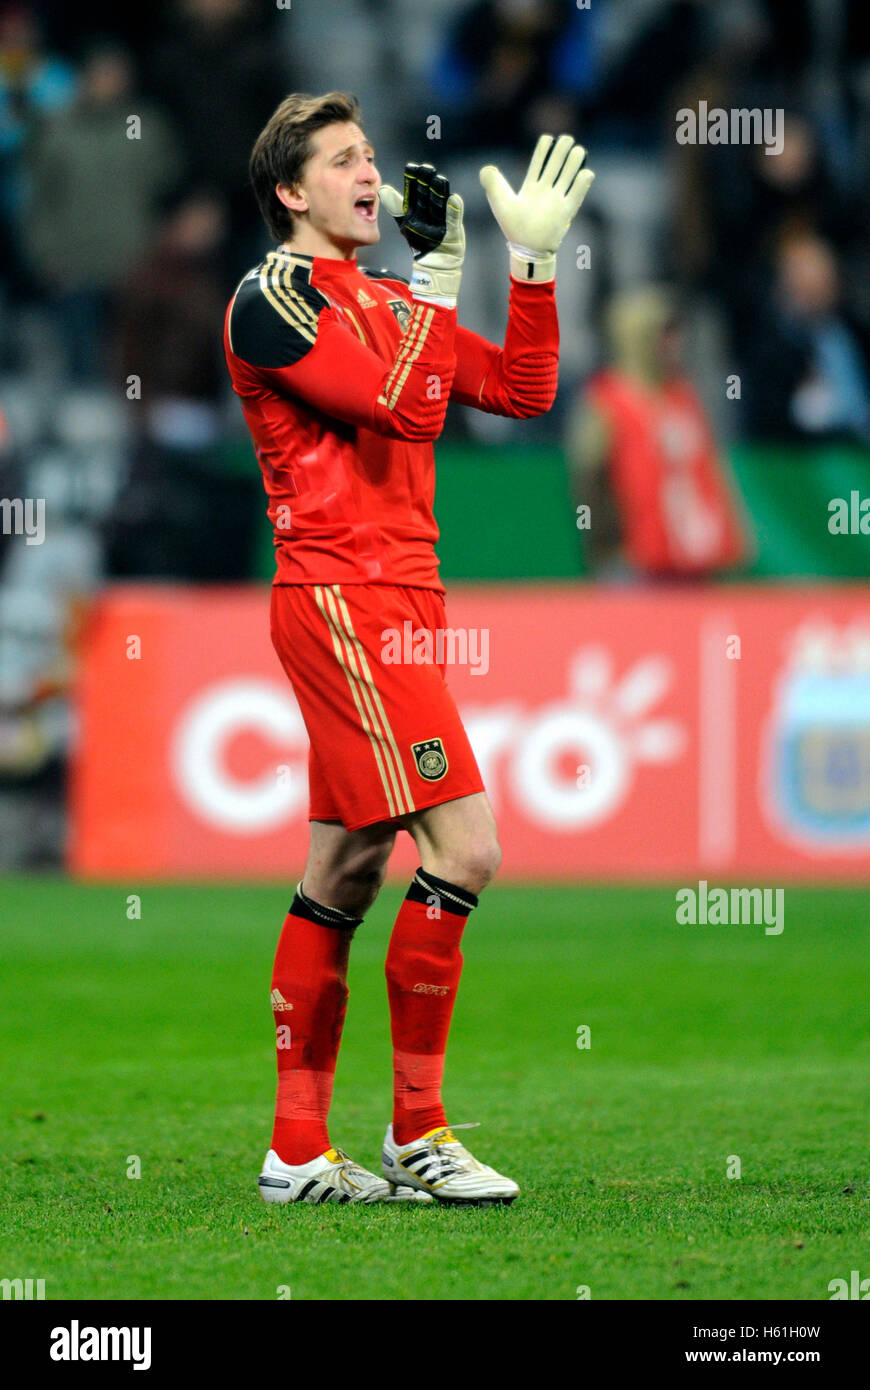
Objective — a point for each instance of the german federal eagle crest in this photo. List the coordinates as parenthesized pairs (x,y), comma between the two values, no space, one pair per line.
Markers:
(430,758)
(402,310)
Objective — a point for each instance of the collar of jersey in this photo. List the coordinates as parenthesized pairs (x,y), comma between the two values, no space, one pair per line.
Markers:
(329,263)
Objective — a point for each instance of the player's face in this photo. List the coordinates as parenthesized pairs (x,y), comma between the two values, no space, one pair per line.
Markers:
(340,185)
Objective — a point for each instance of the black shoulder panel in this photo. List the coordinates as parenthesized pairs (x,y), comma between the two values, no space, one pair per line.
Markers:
(383,274)
(273,322)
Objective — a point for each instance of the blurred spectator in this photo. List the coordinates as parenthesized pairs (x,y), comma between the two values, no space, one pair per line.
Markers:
(10,481)
(511,69)
(800,62)
(95,180)
(820,49)
(644,461)
(179,514)
(219,74)
(636,95)
(747,201)
(42,589)
(807,365)
(70,26)
(35,676)
(33,84)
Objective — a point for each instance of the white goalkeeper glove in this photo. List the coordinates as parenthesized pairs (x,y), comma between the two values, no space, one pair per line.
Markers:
(536,219)
(430,219)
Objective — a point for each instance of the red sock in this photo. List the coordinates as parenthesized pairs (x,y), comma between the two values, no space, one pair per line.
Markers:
(423,967)
(309,1001)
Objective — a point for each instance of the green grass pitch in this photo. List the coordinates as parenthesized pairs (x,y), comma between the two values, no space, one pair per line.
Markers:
(153,1038)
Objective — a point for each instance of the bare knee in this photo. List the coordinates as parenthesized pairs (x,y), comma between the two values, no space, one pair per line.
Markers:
(351,885)
(345,868)
(355,889)
(349,889)
(472,865)
(457,841)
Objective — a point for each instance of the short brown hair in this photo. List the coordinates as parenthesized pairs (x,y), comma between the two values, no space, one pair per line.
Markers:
(284,146)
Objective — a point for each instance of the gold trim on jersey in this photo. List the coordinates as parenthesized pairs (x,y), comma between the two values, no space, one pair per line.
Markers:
(412,345)
(352,318)
(278,288)
(292,260)
(352,658)
(407,342)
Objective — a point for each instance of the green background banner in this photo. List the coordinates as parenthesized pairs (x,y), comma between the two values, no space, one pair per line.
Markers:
(506,512)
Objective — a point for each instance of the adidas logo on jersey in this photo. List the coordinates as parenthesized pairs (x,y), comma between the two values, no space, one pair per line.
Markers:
(279,1003)
(365,299)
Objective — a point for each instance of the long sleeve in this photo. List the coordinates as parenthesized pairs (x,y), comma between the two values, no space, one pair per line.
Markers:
(296,343)
(520,378)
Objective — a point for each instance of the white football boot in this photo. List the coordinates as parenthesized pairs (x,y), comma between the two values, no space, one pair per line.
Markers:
(331,1177)
(439,1164)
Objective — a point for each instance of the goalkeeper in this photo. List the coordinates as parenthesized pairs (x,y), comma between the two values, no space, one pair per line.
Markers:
(344,377)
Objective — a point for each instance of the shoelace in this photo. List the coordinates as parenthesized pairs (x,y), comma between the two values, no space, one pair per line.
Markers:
(349,1166)
(446,1166)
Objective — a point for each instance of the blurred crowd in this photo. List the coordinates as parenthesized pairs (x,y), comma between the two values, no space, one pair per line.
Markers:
(126,220)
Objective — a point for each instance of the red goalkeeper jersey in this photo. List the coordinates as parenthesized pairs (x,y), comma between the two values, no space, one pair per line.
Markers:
(344,380)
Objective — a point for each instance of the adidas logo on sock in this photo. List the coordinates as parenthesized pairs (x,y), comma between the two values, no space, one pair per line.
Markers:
(279,1003)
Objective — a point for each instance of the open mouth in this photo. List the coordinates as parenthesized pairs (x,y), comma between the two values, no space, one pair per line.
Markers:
(367,207)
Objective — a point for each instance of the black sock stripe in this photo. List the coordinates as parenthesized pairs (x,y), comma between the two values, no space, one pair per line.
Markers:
(327,916)
(456,900)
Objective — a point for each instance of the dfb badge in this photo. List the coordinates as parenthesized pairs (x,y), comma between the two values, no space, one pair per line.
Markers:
(402,310)
(430,758)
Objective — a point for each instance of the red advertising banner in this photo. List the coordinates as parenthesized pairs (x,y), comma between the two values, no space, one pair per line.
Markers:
(621,734)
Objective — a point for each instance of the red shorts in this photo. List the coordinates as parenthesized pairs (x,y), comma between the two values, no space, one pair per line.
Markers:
(386,737)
